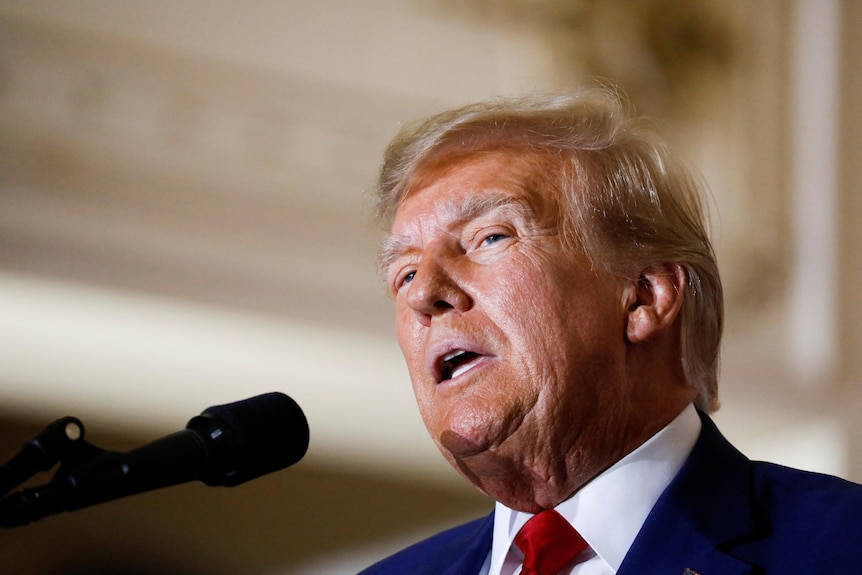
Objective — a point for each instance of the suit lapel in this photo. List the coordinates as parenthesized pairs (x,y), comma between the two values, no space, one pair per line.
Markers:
(705,509)
(468,555)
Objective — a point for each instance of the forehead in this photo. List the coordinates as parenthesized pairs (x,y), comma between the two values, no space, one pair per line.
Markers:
(498,186)
(466,188)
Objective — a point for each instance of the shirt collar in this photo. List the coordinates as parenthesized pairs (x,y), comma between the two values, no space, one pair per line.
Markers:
(610,510)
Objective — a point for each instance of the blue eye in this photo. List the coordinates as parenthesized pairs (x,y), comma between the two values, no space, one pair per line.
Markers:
(408,278)
(493,238)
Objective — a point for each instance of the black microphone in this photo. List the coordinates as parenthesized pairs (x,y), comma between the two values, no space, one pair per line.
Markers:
(225,445)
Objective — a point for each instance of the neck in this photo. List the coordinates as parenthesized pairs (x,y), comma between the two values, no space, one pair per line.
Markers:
(547,477)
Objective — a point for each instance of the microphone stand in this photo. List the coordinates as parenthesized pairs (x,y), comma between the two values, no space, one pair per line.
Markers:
(89,475)
(62,441)
(225,445)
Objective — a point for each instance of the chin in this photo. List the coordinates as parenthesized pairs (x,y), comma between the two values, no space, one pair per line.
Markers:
(461,446)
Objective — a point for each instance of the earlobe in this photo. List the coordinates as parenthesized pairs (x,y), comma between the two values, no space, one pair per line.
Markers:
(654,301)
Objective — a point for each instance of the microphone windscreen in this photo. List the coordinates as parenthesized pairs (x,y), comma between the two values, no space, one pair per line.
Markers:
(269,432)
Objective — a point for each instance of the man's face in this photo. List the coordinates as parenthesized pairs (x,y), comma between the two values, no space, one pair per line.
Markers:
(514,344)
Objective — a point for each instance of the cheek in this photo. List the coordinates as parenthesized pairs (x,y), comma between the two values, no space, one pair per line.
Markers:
(537,321)
(408,339)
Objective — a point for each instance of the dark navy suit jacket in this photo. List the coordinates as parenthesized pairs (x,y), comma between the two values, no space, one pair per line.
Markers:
(721,515)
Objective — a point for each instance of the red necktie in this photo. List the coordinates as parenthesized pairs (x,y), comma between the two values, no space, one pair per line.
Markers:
(549,543)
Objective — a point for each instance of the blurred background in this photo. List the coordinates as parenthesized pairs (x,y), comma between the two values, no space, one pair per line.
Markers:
(184,222)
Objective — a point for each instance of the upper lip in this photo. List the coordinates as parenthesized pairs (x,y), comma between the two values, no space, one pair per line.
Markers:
(442,354)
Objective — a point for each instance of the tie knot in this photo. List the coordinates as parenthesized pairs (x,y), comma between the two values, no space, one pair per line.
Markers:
(549,543)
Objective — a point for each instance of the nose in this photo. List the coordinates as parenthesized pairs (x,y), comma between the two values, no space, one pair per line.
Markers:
(434,291)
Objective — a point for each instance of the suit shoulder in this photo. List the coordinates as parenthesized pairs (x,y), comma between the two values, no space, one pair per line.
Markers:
(804,484)
(806,522)
(467,543)
(824,501)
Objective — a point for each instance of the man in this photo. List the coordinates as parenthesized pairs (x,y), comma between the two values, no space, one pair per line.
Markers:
(560,311)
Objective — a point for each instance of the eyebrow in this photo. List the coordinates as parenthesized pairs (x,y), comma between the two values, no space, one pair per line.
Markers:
(396,245)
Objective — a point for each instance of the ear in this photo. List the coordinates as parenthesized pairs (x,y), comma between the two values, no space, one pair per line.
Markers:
(654,301)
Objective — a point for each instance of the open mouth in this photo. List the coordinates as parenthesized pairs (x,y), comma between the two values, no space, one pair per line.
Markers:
(457,362)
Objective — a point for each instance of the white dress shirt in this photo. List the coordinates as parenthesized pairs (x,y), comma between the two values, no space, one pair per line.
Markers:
(610,510)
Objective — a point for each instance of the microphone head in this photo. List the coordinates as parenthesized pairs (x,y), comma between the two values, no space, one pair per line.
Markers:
(250,438)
